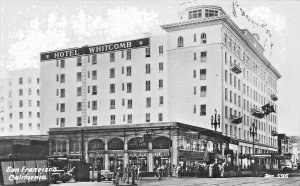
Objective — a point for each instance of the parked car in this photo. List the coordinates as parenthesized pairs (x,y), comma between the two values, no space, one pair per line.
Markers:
(105,175)
(60,175)
(287,166)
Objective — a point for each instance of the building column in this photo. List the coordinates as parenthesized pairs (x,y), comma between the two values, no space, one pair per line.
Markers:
(86,151)
(126,158)
(106,160)
(50,147)
(67,147)
(175,154)
(105,144)
(150,162)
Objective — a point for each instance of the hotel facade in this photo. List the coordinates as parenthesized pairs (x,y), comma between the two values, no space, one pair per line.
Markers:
(204,63)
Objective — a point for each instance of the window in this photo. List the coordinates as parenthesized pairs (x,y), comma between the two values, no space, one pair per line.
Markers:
(62,122)
(194,109)
(202,110)
(226,93)
(94,105)
(94,90)
(148,69)
(147,51)
(129,87)
(62,107)
(79,106)
(161,50)
(20,81)
(203,38)
(128,54)
(148,102)
(147,117)
(112,119)
(10,115)
(79,61)
(29,103)
(94,59)
(234,98)
(195,38)
(230,96)
(161,100)
(129,118)
(30,126)
(94,75)
(38,92)
(203,57)
(160,116)
(226,112)
(112,104)
(203,91)
(38,80)
(195,90)
(202,74)
(234,82)
(225,57)
(194,73)
(195,14)
(38,103)
(161,67)
(78,76)
(111,72)
(20,115)
(112,57)
(30,114)
(21,126)
(180,41)
(148,85)
(62,93)
(94,120)
(20,103)
(20,92)
(129,103)
(195,56)
(160,84)
(62,63)
(128,71)
(112,88)
(225,75)
(211,13)
(79,92)
(62,78)
(78,121)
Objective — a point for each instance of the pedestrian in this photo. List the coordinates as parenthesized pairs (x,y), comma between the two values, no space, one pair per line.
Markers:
(133,174)
(138,172)
(210,170)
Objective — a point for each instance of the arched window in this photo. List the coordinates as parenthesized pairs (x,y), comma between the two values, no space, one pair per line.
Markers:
(96,144)
(203,38)
(115,144)
(180,41)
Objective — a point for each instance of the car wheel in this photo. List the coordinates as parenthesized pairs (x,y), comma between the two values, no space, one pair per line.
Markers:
(53,180)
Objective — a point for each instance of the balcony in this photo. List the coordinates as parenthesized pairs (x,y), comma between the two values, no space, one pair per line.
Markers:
(257,113)
(235,119)
(274,97)
(235,68)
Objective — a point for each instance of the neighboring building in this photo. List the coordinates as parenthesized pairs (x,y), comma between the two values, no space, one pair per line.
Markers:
(295,141)
(205,62)
(21,103)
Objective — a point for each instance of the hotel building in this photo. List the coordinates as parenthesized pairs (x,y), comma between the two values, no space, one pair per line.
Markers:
(204,63)
(20,103)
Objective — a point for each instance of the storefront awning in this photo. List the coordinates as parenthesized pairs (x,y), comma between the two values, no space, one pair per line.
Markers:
(194,156)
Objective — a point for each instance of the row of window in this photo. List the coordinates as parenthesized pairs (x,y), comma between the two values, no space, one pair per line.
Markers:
(202,91)
(202,74)
(237,134)
(21,115)
(21,127)
(29,81)
(21,93)
(21,104)
(180,41)
(194,14)
(94,119)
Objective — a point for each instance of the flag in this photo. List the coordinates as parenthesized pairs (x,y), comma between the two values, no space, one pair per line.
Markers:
(266,108)
(272,109)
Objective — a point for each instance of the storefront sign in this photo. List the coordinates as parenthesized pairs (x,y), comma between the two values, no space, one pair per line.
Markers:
(137,143)
(74,52)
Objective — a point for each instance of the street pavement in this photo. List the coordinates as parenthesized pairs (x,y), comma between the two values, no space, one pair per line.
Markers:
(291,180)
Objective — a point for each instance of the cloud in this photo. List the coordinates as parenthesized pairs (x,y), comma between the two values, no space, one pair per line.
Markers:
(264,15)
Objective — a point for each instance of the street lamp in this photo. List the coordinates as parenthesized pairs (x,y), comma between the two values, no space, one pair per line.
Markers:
(253,133)
(215,122)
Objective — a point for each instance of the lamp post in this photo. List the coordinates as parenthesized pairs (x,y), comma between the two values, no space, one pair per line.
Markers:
(253,133)
(215,122)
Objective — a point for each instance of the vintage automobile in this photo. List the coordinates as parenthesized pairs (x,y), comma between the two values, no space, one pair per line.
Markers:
(287,166)
(105,175)
(60,175)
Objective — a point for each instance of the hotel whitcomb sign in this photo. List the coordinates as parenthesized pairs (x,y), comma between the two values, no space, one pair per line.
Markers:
(86,50)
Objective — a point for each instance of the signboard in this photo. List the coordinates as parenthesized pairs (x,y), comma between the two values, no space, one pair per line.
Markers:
(86,50)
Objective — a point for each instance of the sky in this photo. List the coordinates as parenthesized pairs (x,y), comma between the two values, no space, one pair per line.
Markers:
(33,26)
